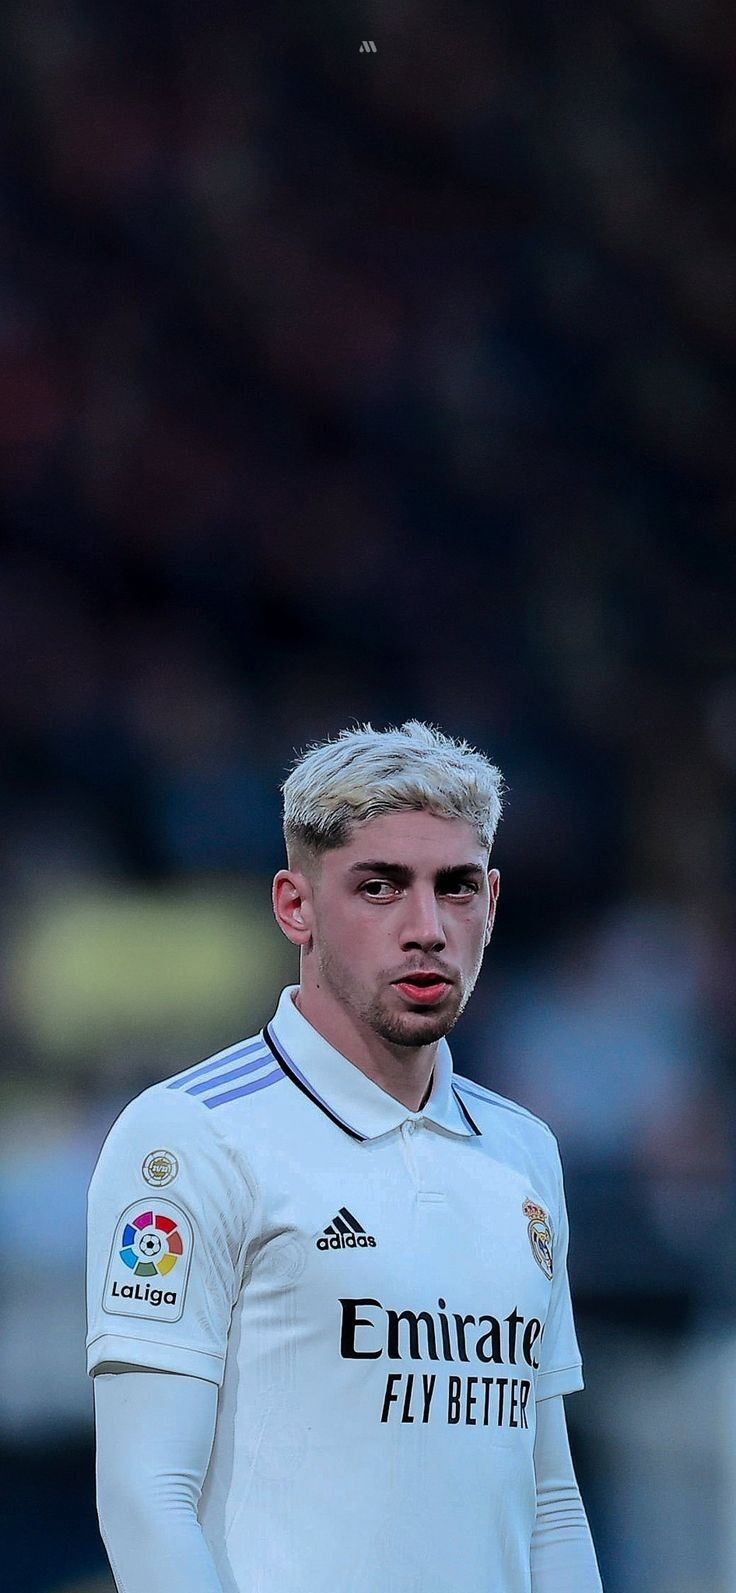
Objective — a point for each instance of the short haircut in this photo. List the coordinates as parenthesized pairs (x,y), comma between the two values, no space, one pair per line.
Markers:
(361,773)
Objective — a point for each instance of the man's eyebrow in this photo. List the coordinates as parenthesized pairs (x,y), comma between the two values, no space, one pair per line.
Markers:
(402,872)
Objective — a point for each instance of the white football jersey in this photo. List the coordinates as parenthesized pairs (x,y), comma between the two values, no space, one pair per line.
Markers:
(381,1296)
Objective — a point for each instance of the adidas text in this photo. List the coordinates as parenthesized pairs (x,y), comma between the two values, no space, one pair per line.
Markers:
(346,1241)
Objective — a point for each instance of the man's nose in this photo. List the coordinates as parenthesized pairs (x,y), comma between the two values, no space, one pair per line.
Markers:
(423,922)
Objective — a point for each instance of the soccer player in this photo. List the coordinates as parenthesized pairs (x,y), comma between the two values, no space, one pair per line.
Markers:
(329,1320)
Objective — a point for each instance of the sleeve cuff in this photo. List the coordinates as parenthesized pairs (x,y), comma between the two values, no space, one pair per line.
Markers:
(157,1356)
(564,1380)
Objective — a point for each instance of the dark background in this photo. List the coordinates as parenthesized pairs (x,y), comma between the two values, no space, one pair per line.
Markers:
(340,386)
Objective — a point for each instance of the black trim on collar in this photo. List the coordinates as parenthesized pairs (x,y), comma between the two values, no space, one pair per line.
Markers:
(465,1112)
(271,1043)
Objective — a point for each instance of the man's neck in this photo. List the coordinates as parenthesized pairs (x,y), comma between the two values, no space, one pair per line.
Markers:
(405,1072)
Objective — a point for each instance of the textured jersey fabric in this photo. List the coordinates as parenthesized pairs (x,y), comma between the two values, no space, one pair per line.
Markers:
(380,1294)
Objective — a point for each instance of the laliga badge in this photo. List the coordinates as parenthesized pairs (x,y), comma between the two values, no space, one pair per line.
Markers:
(160,1167)
(149,1262)
(540,1235)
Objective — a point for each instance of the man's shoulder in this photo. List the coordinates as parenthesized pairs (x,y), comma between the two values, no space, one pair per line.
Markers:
(199,1097)
(487,1104)
(229,1072)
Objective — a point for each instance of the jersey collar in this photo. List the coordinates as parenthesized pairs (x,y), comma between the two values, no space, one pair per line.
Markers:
(360,1107)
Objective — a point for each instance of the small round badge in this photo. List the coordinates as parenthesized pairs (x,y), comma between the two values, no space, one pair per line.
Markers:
(160,1167)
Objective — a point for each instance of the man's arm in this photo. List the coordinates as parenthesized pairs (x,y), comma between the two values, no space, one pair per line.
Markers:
(562,1555)
(154,1440)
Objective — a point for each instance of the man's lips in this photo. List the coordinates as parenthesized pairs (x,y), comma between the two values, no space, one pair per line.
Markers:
(423,989)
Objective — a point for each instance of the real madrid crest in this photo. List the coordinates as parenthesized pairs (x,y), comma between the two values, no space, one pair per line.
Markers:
(540,1235)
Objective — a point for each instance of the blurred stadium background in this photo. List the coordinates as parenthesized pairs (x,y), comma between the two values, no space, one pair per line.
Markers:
(339,386)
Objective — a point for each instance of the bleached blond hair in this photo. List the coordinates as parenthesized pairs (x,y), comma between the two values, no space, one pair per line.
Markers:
(361,773)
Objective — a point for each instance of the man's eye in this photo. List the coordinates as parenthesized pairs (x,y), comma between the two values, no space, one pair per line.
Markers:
(372,887)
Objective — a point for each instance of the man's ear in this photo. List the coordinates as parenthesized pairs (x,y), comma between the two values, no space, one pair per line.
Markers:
(494,886)
(291,898)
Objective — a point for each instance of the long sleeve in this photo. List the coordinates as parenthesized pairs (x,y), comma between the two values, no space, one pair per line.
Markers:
(154,1439)
(562,1554)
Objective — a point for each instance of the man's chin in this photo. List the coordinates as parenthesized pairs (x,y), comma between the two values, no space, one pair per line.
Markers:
(414,1028)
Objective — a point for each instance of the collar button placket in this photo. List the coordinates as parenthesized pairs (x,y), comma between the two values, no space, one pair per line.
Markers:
(428,1175)
(407,1133)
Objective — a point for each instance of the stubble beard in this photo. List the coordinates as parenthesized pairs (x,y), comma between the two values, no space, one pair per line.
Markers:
(398,1028)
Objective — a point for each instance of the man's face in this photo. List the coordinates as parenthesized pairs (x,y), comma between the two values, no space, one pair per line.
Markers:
(410,894)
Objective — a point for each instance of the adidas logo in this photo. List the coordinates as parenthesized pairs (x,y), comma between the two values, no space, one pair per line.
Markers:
(345,1233)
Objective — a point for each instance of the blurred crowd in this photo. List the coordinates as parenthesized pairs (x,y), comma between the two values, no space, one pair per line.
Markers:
(342,386)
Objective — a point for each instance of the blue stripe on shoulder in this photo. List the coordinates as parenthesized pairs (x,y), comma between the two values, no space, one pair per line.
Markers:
(469,1089)
(500,1101)
(222,1060)
(233,1073)
(246,1089)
